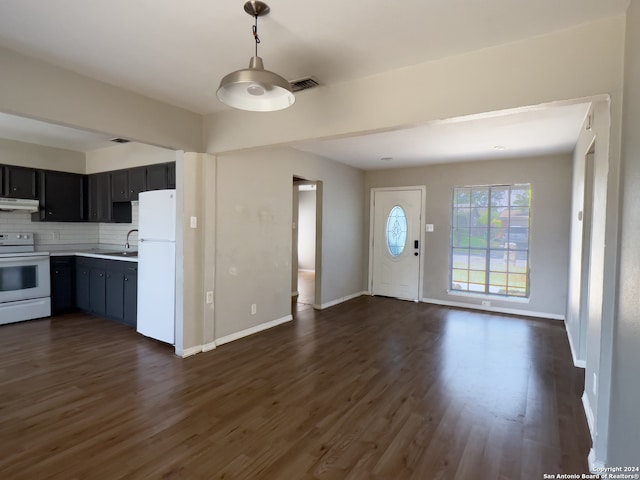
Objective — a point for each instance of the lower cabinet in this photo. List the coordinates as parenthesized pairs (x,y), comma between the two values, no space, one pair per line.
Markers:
(130,306)
(62,284)
(107,288)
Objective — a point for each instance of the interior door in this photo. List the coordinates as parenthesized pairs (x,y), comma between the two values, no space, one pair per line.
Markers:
(396,231)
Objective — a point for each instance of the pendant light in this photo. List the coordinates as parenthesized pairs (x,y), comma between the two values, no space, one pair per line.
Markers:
(255,89)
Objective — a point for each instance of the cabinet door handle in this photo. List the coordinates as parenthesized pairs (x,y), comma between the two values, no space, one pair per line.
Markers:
(126,279)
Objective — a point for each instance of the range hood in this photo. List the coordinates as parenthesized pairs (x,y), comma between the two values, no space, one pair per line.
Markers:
(19,205)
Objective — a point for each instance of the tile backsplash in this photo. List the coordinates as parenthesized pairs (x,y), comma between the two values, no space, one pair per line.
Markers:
(71,233)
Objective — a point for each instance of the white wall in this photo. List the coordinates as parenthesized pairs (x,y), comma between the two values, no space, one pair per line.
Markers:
(126,155)
(550,179)
(254,242)
(624,425)
(37,156)
(35,89)
(307,230)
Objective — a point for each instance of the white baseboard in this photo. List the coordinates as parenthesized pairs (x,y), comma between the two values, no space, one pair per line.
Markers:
(309,270)
(511,311)
(252,330)
(576,361)
(295,294)
(188,351)
(207,347)
(338,301)
(595,466)
(589,414)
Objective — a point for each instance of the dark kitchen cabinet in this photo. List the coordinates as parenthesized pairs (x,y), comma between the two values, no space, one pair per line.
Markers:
(110,288)
(114,293)
(130,310)
(62,284)
(157,176)
(137,182)
(171,175)
(62,197)
(97,291)
(2,180)
(20,182)
(120,186)
(99,197)
(127,184)
(83,300)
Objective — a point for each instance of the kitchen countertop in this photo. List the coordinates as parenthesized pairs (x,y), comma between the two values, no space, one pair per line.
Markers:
(108,253)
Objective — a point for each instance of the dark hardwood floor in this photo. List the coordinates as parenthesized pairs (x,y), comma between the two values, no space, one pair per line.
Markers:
(374,388)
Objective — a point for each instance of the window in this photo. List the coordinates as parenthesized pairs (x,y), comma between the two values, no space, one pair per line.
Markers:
(396,231)
(490,239)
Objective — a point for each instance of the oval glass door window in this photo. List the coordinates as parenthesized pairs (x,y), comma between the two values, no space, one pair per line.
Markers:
(396,231)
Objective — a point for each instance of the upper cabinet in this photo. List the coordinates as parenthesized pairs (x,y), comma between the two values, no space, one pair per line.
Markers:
(171,175)
(137,182)
(127,184)
(69,197)
(99,197)
(20,182)
(120,186)
(62,197)
(157,176)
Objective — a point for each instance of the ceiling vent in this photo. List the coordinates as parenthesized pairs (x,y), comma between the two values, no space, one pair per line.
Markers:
(303,84)
(120,140)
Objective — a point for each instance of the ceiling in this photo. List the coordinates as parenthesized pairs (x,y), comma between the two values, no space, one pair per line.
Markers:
(177,52)
(56,136)
(507,134)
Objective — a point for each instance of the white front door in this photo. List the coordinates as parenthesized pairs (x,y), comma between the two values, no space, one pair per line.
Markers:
(396,243)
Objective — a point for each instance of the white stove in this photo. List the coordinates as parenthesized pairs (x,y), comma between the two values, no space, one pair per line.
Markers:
(25,285)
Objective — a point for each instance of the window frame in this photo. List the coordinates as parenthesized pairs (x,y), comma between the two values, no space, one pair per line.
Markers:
(490,254)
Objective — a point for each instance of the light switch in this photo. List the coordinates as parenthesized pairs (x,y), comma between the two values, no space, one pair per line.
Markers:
(429,227)
(194,222)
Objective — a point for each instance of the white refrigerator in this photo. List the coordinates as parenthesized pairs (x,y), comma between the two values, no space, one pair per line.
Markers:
(157,264)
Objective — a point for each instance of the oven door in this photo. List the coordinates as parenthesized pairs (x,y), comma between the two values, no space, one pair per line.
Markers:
(24,278)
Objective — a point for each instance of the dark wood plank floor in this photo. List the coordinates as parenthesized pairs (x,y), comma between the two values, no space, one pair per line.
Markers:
(371,389)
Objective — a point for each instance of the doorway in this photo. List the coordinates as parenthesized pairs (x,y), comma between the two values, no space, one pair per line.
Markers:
(305,274)
(396,240)
(587,214)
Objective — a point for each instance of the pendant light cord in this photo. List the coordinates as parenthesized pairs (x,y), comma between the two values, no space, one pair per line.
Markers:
(255,34)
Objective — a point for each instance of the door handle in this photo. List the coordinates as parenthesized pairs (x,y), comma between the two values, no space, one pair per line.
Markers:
(416,244)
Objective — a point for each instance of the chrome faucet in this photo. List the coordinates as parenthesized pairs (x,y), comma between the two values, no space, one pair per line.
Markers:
(126,245)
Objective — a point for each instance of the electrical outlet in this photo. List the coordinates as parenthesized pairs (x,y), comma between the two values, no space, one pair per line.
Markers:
(486,303)
(209,297)
(194,222)
(429,227)
(254,309)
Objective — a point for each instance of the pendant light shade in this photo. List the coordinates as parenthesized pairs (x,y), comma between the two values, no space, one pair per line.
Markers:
(254,88)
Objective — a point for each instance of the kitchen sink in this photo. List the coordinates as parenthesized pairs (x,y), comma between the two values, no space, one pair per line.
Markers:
(121,254)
